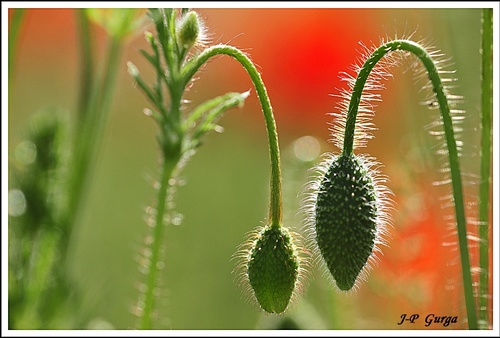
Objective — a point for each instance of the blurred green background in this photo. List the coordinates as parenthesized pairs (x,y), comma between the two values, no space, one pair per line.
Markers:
(300,53)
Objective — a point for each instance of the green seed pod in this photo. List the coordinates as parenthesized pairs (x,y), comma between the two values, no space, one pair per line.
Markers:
(273,268)
(348,213)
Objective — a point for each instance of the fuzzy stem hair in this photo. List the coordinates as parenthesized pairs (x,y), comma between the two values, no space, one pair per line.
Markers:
(149,300)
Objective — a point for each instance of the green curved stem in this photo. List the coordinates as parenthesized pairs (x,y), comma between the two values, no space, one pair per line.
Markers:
(275,212)
(484,187)
(437,86)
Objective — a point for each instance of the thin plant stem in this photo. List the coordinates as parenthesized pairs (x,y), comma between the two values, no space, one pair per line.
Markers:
(14,29)
(109,81)
(86,140)
(437,86)
(275,212)
(484,188)
(87,63)
(90,135)
(158,231)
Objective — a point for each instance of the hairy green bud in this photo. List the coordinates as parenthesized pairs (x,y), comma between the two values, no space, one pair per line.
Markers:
(189,30)
(273,268)
(346,219)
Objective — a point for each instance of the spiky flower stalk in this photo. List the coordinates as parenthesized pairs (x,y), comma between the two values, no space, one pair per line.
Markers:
(348,213)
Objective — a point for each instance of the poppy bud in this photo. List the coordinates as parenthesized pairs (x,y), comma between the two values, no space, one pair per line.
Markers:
(347,216)
(273,268)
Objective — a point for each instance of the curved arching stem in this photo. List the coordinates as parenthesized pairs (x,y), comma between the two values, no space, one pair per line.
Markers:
(437,87)
(275,212)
